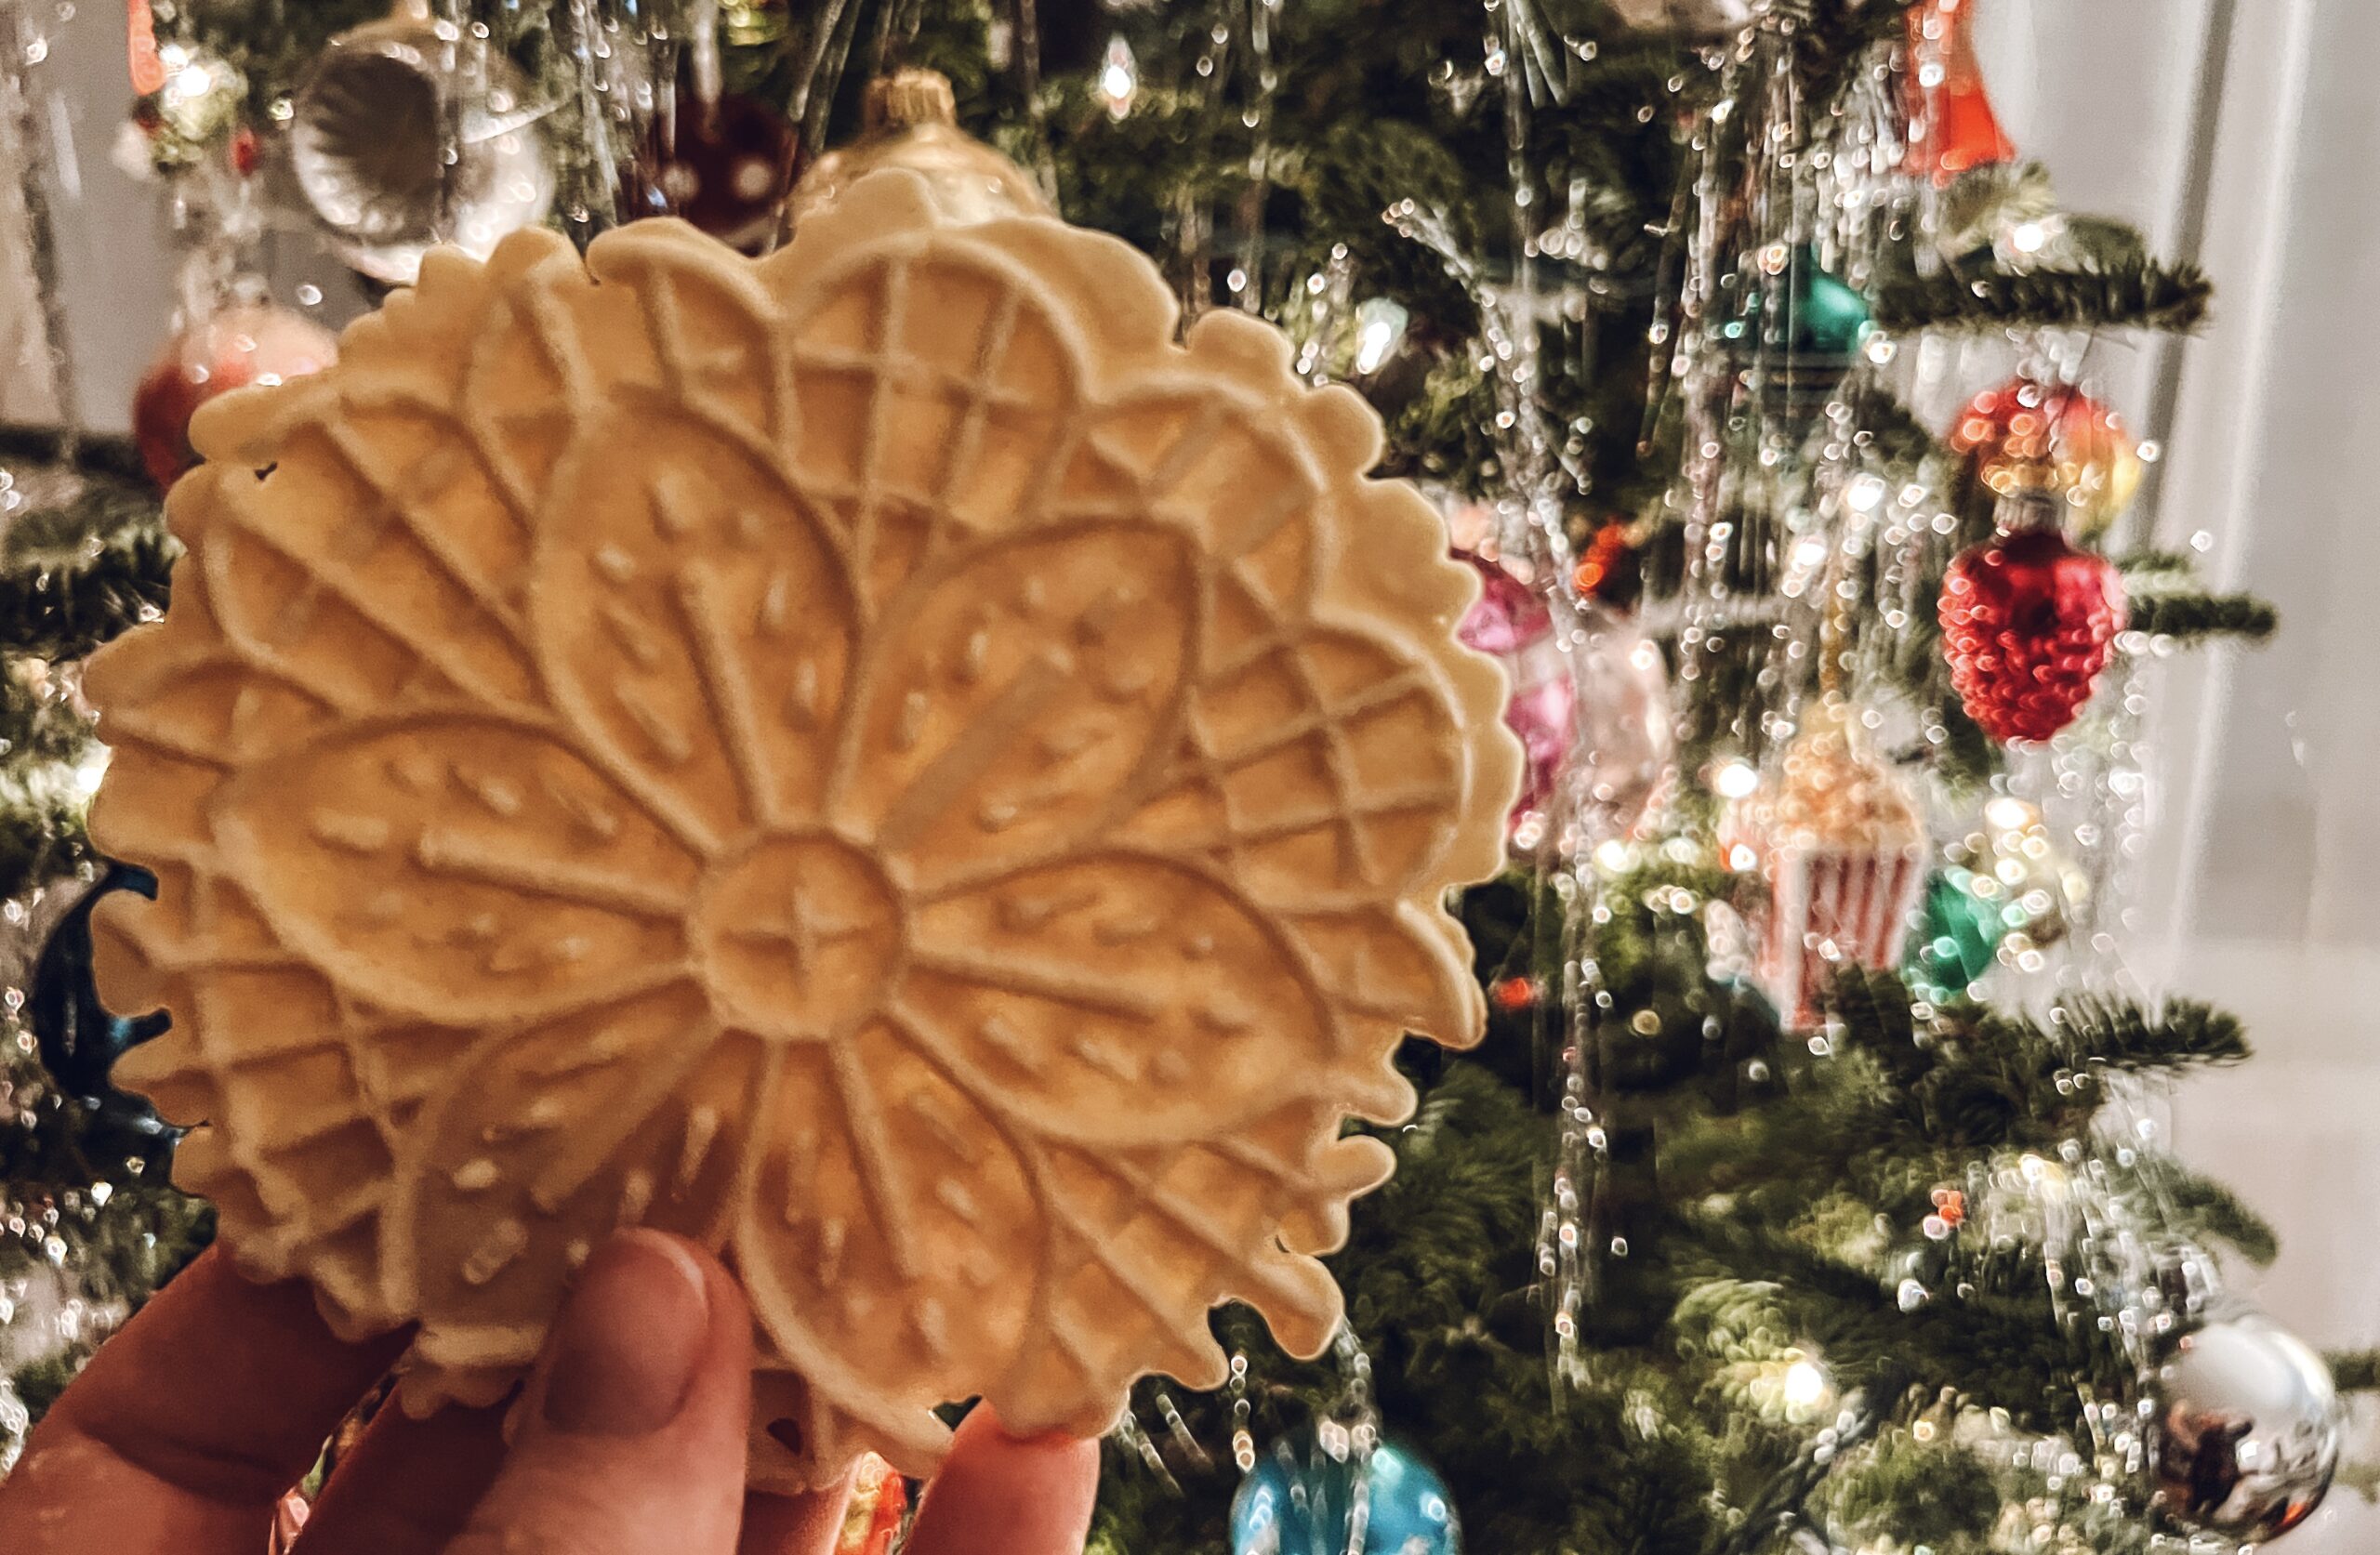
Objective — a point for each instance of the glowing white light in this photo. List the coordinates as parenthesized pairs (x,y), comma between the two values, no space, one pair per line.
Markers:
(93,767)
(1379,329)
(2008,813)
(2028,237)
(1806,1385)
(1119,78)
(189,83)
(1866,493)
(1736,780)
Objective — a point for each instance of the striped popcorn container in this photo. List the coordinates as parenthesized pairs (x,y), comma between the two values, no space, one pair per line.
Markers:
(1837,837)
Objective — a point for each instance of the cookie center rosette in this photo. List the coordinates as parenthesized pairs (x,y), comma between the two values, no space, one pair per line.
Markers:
(878,760)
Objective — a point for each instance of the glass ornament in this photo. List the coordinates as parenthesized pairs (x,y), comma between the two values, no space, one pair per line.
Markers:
(1512,623)
(243,344)
(1837,835)
(402,141)
(2249,1429)
(2027,623)
(910,120)
(1951,126)
(1301,1499)
(725,165)
(1955,942)
(2028,435)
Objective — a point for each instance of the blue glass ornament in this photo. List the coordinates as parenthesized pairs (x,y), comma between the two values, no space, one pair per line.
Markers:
(81,1038)
(1302,1500)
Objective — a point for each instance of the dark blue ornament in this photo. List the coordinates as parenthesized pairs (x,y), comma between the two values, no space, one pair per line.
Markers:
(1301,1500)
(81,1039)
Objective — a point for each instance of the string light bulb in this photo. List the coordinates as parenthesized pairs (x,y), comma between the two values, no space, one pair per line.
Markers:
(1119,77)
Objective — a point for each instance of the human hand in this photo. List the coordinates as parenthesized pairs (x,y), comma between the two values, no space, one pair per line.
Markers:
(188,1427)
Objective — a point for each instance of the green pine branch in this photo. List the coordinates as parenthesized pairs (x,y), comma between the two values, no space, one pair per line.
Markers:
(2196,618)
(75,575)
(2355,1371)
(2140,293)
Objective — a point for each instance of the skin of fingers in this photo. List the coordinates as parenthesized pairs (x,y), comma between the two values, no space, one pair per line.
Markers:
(409,1485)
(1001,1494)
(189,1424)
(806,1524)
(631,1437)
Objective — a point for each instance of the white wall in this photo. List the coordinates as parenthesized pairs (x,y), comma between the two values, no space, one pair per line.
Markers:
(2265,890)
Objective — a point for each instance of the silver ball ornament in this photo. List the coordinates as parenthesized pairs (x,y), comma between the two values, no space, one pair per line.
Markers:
(2248,1431)
(403,139)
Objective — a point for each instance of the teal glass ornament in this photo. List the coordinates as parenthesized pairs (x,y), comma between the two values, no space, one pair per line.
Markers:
(1824,318)
(1302,1500)
(1957,937)
(1830,315)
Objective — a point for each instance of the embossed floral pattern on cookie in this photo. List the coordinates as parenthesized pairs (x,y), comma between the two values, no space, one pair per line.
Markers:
(875,758)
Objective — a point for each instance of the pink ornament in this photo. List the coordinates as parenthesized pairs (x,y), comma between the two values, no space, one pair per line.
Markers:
(1513,623)
(1595,723)
(1510,614)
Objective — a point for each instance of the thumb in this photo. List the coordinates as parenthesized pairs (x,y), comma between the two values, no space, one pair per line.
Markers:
(632,1438)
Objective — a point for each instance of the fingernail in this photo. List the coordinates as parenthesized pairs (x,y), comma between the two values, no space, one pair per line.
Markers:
(630,1338)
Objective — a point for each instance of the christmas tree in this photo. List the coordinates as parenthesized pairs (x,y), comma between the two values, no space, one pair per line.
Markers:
(1799,1197)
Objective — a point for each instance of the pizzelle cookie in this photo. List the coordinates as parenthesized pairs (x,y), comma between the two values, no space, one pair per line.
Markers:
(878,760)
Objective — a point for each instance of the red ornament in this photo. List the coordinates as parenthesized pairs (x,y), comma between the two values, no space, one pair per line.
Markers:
(2028,623)
(241,345)
(246,151)
(1609,572)
(1951,126)
(1514,994)
(872,1516)
(2052,437)
(726,166)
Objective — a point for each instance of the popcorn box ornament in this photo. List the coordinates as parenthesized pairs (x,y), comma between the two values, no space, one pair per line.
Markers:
(1841,845)
(879,759)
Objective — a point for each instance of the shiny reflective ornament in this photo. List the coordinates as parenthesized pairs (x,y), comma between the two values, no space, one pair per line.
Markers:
(1956,941)
(2030,436)
(2003,892)
(911,121)
(1836,833)
(403,140)
(1513,623)
(1624,747)
(1799,331)
(2249,1428)
(1951,126)
(243,344)
(1304,1499)
(725,165)
(1700,18)
(2027,623)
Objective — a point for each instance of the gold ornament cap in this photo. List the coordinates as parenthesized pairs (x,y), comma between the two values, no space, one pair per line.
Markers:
(910,120)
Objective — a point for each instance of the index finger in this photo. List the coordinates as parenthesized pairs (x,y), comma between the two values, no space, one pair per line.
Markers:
(187,1425)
